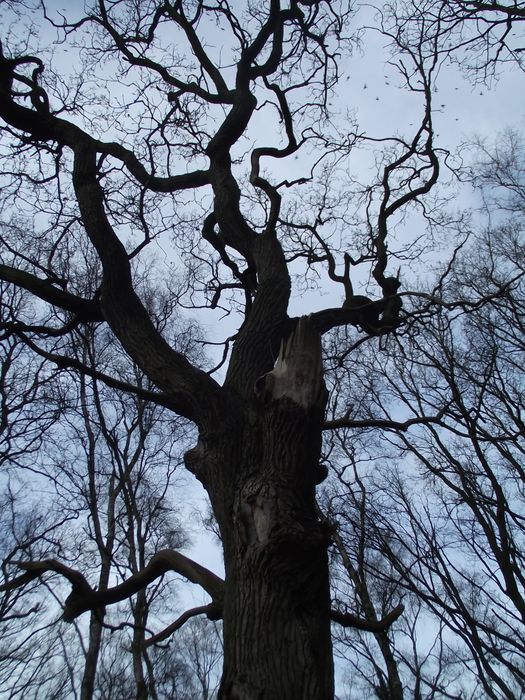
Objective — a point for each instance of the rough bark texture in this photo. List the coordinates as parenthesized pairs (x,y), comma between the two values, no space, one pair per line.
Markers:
(276,608)
(276,595)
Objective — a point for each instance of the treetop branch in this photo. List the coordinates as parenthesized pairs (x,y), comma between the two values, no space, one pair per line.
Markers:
(43,125)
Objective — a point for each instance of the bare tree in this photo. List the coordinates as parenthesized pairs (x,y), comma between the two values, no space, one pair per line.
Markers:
(441,526)
(110,462)
(199,650)
(158,141)
(489,34)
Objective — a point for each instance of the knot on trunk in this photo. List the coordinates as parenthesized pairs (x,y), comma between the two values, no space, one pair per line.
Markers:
(298,371)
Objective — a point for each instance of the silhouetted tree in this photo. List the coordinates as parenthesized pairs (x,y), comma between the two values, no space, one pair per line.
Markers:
(170,133)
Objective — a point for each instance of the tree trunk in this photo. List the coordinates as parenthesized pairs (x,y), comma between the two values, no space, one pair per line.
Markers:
(139,621)
(87,687)
(277,641)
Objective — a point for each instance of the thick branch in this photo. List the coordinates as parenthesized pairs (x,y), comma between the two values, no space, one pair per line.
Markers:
(198,49)
(84,309)
(64,362)
(83,598)
(211,610)
(197,178)
(123,309)
(292,146)
(145,62)
(346,422)
(259,339)
(327,319)
(35,569)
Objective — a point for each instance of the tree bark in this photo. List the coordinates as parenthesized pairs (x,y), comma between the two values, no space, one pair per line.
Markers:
(139,619)
(87,687)
(277,641)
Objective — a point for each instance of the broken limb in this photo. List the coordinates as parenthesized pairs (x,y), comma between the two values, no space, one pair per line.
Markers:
(212,611)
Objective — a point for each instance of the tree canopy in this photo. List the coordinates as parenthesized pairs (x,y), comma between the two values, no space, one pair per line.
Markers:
(209,265)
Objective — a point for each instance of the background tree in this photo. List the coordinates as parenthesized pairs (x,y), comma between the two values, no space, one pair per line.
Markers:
(108,464)
(439,524)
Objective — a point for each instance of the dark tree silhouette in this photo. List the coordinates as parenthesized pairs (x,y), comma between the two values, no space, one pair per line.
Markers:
(158,142)
(431,514)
